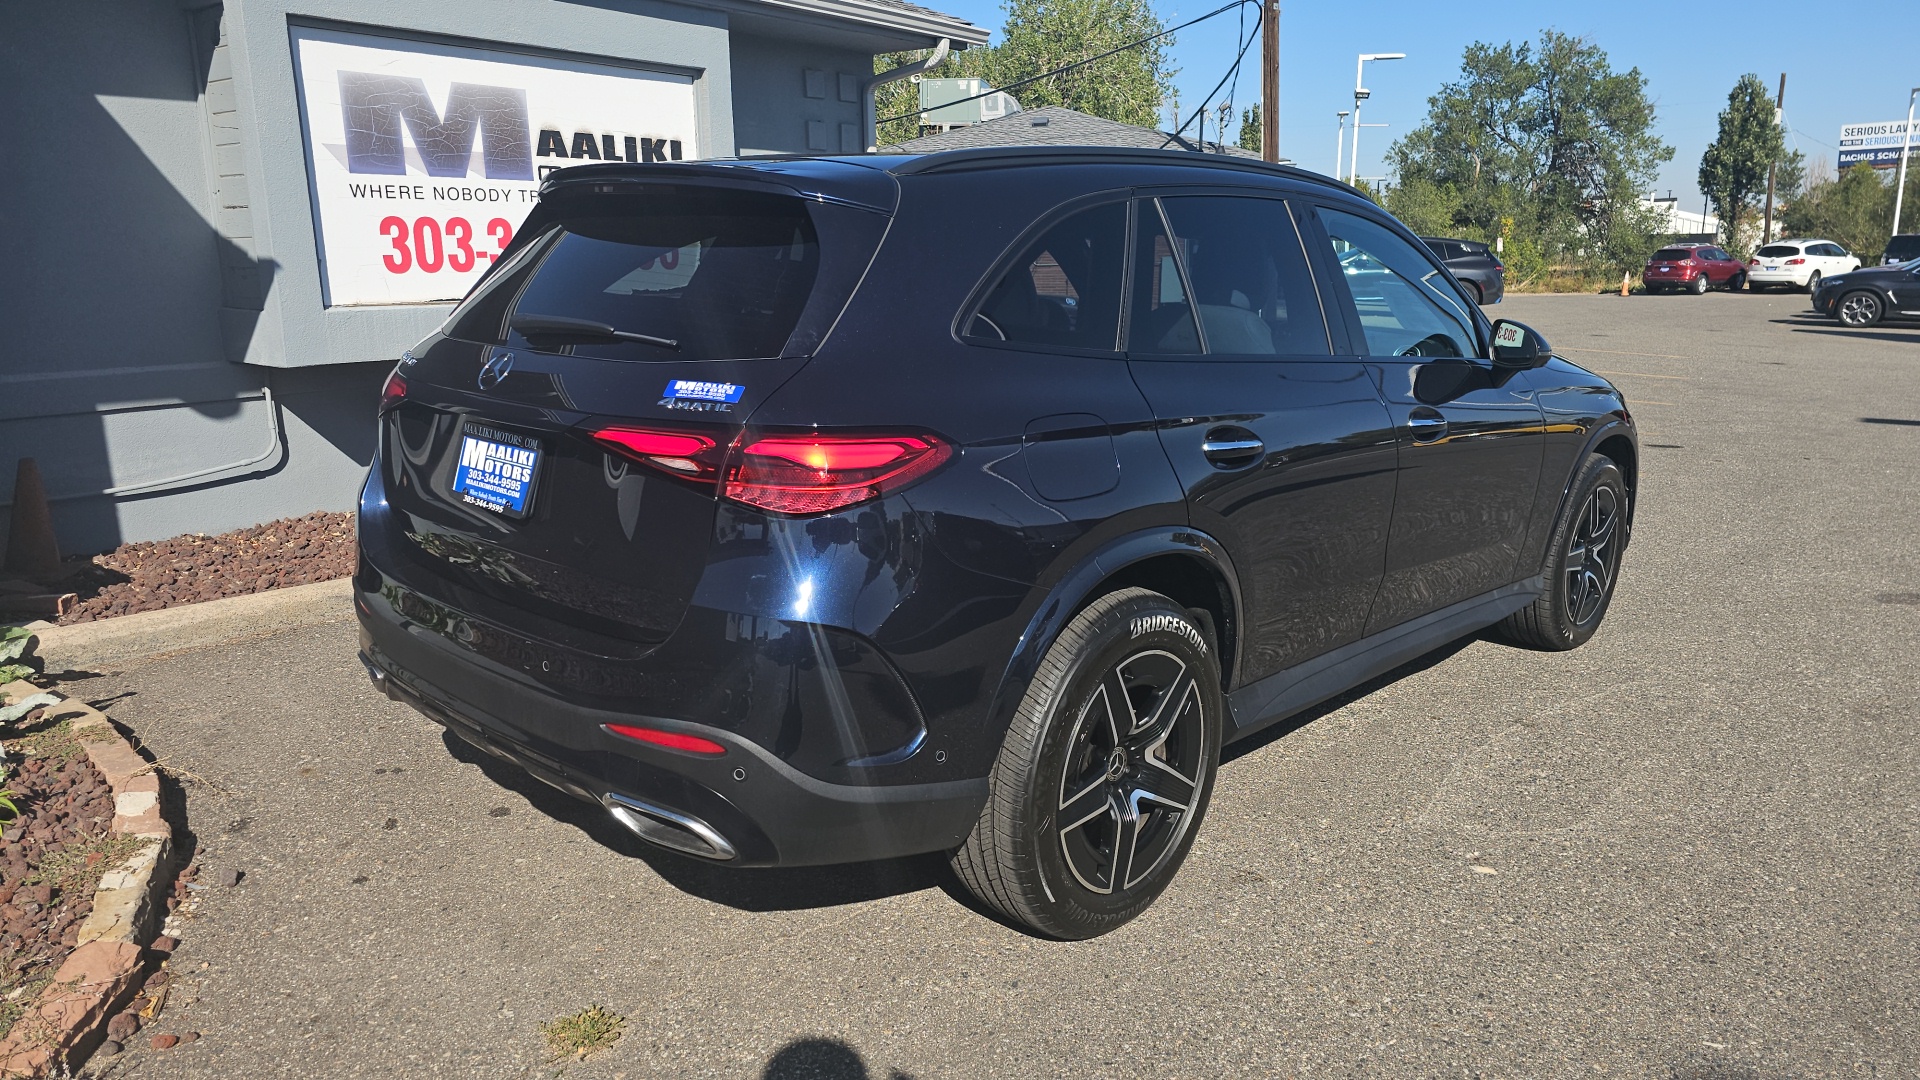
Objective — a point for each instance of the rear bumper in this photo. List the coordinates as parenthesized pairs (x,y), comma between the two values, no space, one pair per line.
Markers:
(764,812)
(1757,276)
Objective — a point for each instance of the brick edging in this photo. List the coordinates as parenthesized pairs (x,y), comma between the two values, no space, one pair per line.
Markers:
(99,973)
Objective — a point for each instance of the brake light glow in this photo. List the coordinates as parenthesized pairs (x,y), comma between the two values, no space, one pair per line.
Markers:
(393,393)
(814,474)
(679,452)
(1753,262)
(672,740)
(1795,262)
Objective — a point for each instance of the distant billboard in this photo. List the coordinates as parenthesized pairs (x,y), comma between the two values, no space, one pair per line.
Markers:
(1877,145)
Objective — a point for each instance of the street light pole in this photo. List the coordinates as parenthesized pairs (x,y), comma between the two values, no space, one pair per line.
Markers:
(1360,94)
(1906,145)
(1340,145)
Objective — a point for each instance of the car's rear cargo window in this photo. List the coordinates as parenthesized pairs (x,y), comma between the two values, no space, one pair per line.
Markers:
(1777,251)
(1673,255)
(685,274)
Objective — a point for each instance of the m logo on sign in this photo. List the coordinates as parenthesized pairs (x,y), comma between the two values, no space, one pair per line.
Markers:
(376,107)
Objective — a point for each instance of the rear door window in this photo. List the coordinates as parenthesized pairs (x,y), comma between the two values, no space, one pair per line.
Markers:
(1235,263)
(1063,290)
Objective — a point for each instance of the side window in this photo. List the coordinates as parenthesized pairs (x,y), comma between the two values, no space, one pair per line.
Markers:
(1251,289)
(1064,289)
(1407,306)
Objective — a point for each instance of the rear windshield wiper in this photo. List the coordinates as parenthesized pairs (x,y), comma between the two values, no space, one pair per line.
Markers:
(562,326)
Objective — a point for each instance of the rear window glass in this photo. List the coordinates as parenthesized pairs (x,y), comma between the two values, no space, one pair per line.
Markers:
(1063,291)
(1672,254)
(1902,248)
(708,276)
(1777,251)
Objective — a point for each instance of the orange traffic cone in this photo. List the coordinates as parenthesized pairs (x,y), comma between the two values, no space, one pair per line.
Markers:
(32,550)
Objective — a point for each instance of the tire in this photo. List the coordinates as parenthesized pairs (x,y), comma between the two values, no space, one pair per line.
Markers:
(1699,286)
(1813,283)
(1858,309)
(1738,283)
(1066,756)
(1479,294)
(1580,573)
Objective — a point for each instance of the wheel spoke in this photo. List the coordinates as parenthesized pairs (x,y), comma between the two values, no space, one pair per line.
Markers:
(1126,837)
(1159,784)
(1152,732)
(1087,804)
(1120,717)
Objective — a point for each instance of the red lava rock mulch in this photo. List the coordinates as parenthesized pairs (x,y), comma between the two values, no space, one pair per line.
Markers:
(51,859)
(188,569)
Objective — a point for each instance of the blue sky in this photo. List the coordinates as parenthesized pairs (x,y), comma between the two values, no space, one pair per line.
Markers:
(1691,55)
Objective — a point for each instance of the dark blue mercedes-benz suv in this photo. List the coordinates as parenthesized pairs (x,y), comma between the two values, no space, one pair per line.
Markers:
(805,511)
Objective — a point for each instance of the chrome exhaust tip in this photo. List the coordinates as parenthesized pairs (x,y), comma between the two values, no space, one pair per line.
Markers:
(669,828)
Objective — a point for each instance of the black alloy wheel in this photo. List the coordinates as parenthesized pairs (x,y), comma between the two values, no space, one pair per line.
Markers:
(1858,309)
(1583,563)
(1105,773)
(1479,294)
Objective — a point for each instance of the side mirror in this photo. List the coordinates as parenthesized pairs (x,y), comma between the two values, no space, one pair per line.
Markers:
(1518,346)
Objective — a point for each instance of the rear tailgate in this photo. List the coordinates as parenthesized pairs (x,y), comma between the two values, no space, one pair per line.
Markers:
(715,294)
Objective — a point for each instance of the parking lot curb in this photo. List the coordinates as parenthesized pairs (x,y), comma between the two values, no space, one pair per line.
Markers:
(127,640)
(98,976)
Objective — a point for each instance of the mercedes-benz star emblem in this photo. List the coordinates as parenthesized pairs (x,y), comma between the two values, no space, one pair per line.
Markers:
(495,370)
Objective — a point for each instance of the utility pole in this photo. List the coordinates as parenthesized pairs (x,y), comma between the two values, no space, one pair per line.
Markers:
(1270,81)
(1766,236)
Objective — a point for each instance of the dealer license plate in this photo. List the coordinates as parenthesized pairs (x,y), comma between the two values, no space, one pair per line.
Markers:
(497,470)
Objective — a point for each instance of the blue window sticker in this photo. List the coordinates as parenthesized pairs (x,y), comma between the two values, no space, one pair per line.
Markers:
(695,390)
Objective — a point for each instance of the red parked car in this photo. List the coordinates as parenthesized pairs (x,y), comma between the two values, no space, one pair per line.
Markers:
(1695,268)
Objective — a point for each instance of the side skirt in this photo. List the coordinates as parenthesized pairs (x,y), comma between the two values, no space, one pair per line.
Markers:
(1284,693)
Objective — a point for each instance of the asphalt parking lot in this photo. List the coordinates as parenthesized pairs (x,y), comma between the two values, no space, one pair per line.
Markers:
(1690,849)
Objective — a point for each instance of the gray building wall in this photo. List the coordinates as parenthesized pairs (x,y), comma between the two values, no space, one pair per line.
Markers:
(167,357)
(799,97)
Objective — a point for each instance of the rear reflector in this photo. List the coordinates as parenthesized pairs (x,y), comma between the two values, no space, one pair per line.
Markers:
(672,740)
(678,452)
(814,474)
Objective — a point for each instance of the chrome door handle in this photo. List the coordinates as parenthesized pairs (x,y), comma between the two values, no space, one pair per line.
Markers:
(1427,425)
(1230,447)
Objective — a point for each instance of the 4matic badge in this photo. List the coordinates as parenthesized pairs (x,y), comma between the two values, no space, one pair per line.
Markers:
(692,395)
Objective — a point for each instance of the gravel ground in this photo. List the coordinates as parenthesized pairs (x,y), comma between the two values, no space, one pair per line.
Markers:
(188,569)
(1687,850)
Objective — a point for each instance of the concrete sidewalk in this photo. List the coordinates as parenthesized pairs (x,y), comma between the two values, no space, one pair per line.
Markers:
(112,644)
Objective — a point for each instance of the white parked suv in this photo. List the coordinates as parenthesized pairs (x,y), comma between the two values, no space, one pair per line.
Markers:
(1798,264)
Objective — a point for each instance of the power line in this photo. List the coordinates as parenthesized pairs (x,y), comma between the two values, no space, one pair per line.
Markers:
(1232,73)
(1091,59)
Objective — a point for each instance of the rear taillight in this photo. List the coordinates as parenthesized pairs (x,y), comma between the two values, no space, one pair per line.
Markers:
(1753,262)
(813,474)
(1795,262)
(392,394)
(681,453)
(672,740)
(787,474)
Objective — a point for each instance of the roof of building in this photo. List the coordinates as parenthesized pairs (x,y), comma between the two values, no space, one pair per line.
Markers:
(889,17)
(1056,125)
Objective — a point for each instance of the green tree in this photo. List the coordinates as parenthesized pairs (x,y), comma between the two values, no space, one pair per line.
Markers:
(1545,133)
(1733,171)
(1250,129)
(1042,35)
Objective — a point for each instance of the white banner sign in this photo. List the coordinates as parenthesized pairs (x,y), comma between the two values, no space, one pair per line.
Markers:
(425,158)
(1877,145)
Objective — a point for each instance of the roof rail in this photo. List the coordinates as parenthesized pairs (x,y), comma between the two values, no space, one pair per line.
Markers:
(984,156)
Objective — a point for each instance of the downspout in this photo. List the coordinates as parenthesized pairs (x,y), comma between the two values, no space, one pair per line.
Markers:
(869,117)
